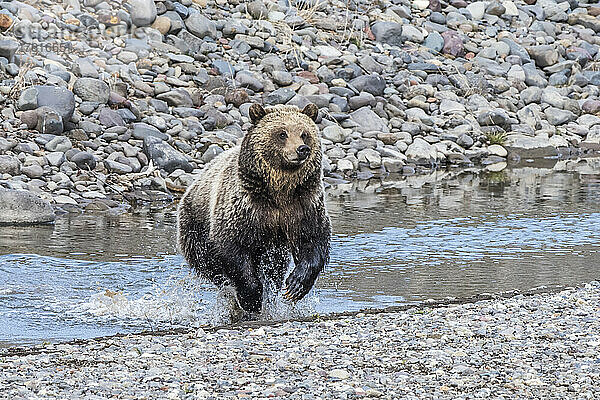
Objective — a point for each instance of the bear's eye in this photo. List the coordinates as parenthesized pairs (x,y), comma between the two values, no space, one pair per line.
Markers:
(282,135)
(304,136)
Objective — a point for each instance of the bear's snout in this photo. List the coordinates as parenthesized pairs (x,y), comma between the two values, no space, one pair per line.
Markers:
(303,152)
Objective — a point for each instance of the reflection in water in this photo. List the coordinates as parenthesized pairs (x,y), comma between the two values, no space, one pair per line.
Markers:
(446,234)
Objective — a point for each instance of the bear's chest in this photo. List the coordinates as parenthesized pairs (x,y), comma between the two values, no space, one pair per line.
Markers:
(282,222)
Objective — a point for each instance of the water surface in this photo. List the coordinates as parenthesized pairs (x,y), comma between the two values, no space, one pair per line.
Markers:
(448,234)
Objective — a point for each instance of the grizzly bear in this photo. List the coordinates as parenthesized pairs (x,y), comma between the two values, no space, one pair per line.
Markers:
(259,205)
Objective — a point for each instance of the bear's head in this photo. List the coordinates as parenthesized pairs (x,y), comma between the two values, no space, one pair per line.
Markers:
(283,146)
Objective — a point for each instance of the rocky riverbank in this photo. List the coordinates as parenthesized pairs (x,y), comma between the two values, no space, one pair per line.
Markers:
(536,346)
(106,101)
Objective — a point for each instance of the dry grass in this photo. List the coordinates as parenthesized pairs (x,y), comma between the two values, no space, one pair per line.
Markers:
(21,81)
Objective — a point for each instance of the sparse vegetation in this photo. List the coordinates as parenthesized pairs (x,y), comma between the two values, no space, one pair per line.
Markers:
(496,138)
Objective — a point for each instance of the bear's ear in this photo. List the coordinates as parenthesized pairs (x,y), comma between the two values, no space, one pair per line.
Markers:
(256,112)
(311,110)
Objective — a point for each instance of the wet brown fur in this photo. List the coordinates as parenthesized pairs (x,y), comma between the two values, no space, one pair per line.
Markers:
(254,206)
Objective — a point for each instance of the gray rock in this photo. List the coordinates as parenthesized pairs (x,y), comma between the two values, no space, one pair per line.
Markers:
(84,160)
(210,153)
(9,165)
(247,80)
(143,12)
(224,68)
(58,98)
(32,171)
(272,63)
(279,96)
(6,144)
(448,106)
(177,98)
(374,84)
(532,94)
(497,117)
(543,56)
(201,26)
(90,89)
(117,167)
(557,116)
(283,78)
(257,9)
(59,143)
(559,78)
(529,147)
(142,130)
(370,157)
(495,8)
(21,207)
(48,121)
(55,158)
(363,99)
(164,156)
(84,68)
(28,99)
(517,50)
(91,127)
(421,152)
(8,48)
(369,64)
(434,41)
(530,115)
(533,76)
(411,33)
(128,116)
(552,96)
(368,121)
(335,133)
(109,118)
(476,9)
(388,32)
(465,141)
(586,20)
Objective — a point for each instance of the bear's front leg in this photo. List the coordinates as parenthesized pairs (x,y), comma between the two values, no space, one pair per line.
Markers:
(310,259)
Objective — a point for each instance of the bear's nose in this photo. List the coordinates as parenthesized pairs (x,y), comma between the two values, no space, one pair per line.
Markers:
(303,152)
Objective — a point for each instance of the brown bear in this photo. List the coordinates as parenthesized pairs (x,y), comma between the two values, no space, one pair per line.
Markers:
(259,205)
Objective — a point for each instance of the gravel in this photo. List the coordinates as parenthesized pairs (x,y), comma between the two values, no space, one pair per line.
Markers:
(538,345)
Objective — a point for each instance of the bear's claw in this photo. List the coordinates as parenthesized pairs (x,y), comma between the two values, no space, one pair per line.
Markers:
(294,292)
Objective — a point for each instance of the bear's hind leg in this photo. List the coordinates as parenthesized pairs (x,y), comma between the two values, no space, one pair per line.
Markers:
(249,289)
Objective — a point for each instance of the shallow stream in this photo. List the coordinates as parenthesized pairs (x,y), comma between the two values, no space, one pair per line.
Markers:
(448,234)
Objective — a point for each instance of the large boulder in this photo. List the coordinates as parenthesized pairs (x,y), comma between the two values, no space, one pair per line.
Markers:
(58,98)
(22,207)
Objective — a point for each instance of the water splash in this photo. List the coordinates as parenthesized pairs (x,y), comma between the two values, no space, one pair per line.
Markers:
(177,302)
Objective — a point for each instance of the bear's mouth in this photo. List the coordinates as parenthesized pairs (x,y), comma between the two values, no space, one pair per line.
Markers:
(294,163)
